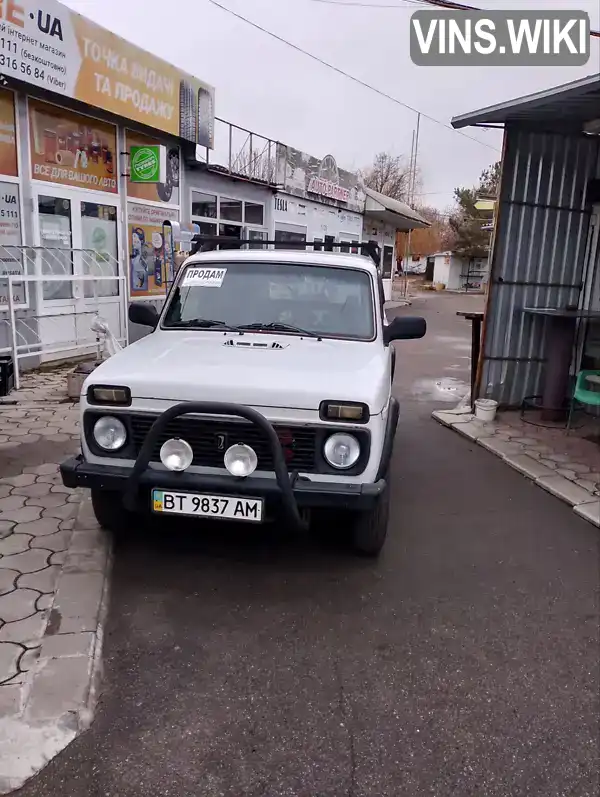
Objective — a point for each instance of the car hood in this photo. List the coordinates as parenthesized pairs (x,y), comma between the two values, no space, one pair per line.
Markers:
(251,369)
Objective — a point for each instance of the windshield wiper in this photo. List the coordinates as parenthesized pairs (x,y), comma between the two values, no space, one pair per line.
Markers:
(279,326)
(204,323)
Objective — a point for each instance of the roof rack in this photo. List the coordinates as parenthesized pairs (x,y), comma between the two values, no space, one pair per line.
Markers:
(208,243)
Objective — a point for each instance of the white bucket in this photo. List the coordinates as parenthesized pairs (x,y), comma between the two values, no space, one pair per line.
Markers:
(485,409)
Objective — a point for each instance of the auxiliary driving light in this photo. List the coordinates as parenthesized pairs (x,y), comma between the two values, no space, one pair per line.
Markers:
(240,460)
(341,450)
(176,454)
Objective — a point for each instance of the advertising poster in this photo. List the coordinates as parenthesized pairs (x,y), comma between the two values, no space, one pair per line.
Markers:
(168,191)
(47,45)
(148,269)
(8,138)
(71,149)
(318,178)
(11,260)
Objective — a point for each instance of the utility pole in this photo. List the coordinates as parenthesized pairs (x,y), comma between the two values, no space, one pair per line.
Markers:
(412,187)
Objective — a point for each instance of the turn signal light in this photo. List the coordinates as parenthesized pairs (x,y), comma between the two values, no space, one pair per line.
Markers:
(349,412)
(109,395)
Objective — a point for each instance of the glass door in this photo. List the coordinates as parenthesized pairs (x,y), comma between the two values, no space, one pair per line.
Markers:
(55,255)
(76,238)
(99,241)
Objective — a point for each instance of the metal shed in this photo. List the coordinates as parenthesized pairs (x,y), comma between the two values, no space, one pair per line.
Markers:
(545,252)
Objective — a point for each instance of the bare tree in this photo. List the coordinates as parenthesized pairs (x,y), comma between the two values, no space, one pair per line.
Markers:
(390,175)
(257,165)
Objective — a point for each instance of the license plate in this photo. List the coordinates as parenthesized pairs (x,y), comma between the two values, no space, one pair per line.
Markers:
(228,507)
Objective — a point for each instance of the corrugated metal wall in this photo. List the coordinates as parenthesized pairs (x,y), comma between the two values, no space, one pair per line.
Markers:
(538,254)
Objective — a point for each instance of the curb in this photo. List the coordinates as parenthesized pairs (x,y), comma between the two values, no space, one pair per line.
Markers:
(59,700)
(583,503)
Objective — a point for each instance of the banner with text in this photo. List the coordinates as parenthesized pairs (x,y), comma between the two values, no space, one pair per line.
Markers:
(71,149)
(46,44)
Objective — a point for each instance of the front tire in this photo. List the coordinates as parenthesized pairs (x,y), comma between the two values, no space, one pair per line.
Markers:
(109,511)
(369,529)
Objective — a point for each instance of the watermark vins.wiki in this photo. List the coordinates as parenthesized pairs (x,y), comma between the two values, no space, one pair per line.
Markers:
(500,38)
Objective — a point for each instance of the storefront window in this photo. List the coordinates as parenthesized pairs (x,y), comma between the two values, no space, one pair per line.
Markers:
(204,205)
(230,231)
(285,239)
(230,209)
(206,228)
(254,213)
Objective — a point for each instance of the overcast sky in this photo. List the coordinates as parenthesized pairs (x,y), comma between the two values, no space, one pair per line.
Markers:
(268,87)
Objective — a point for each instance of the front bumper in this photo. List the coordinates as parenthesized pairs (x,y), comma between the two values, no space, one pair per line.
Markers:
(289,491)
(76,472)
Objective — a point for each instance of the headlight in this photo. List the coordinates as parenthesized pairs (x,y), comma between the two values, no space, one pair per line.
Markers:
(110,433)
(240,460)
(176,454)
(341,450)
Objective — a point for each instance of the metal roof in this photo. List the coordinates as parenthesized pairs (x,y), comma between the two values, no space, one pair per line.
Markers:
(391,211)
(571,104)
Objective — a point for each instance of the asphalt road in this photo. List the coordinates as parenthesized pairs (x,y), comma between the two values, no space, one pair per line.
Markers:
(464,662)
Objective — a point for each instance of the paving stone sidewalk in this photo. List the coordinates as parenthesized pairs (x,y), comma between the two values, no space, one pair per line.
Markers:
(54,563)
(568,466)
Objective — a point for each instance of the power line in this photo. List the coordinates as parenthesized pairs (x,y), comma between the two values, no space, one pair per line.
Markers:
(348,75)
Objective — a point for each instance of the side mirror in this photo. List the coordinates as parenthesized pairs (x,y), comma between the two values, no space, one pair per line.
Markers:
(143,314)
(404,328)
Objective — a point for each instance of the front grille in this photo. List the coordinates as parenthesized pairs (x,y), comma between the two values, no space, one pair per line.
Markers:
(210,439)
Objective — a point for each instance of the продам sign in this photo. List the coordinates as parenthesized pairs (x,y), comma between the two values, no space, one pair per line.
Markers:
(47,45)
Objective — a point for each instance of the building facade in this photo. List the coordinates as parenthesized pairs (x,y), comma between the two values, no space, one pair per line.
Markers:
(74,224)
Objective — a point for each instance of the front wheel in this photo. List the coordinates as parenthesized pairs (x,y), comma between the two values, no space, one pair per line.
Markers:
(369,529)
(109,511)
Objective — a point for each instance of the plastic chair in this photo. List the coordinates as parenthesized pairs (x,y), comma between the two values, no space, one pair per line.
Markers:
(582,394)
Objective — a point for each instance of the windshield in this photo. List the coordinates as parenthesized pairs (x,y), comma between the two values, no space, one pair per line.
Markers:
(315,300)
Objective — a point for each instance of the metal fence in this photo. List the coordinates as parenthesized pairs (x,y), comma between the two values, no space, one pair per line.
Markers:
(39,331)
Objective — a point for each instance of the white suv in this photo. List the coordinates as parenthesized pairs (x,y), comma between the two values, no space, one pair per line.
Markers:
(264,387)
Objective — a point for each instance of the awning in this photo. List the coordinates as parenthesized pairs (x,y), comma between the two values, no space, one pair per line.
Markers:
(571,104)
(390,211)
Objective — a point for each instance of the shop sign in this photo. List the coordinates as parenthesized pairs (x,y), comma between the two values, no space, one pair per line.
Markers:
(8,141)
(166,188)
(148,164)
(150,261)
(308,177)
(45,44)
(71,149)
(11,256)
